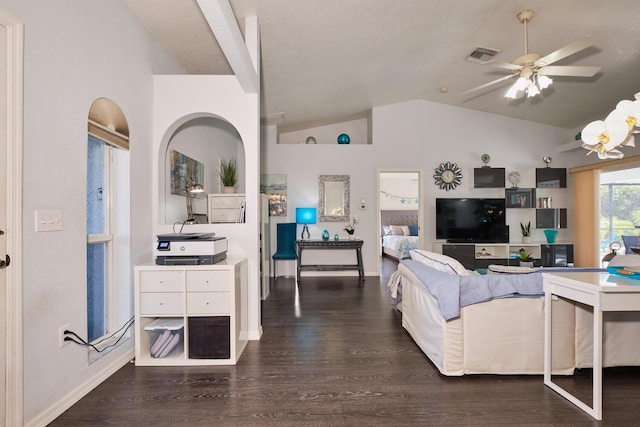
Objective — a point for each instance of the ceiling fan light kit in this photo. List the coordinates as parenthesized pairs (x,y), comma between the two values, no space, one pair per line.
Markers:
(534,70)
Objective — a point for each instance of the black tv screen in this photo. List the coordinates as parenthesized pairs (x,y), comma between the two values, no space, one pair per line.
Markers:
(471,221)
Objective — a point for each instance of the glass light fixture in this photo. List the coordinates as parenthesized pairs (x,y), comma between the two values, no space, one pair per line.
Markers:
(192,188)
(529,84)
(305,216)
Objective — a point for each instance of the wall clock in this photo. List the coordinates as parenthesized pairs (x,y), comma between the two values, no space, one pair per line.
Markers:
(447,176)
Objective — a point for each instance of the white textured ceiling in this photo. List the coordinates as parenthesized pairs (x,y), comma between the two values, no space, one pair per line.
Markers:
(326,60)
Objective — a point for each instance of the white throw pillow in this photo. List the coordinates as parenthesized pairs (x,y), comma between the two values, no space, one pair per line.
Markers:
(439,262)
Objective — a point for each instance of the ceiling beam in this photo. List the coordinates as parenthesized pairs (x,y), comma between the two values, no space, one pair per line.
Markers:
(222,22)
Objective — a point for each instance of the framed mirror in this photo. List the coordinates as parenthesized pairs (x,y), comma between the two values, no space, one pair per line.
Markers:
(334,197)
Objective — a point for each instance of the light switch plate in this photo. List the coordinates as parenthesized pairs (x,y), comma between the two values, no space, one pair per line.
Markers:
(48,220)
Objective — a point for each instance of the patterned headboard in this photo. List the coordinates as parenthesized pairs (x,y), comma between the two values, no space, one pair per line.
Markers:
(397,217)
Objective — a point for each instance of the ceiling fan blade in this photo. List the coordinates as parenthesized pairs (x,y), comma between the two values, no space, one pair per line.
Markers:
(569,70)
(505,65)
(488,84)
(568,50)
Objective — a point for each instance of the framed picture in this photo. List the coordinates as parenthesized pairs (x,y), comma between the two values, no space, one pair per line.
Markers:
(275,187)
(184,168)
(520,197)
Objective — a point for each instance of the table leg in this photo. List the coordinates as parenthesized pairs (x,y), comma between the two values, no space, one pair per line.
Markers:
(298,263)
(360,266)
(597,363)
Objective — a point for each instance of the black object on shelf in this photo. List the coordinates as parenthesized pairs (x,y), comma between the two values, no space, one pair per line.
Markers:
(551,177)
(487,177)
(551,218)
(209,337)
(520,197)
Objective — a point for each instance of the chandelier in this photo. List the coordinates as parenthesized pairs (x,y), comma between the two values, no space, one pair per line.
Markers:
(604,137)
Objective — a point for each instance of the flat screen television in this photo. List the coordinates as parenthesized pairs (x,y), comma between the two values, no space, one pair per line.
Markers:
(471,221)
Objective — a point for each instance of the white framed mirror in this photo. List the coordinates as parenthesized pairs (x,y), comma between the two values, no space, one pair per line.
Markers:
(334,198)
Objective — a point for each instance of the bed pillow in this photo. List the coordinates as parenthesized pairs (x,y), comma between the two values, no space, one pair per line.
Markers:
(396,230)
(413,229)
(439,262)
(386,230)
(405,230)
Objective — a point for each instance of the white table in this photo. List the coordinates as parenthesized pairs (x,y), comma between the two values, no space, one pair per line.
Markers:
(603,292)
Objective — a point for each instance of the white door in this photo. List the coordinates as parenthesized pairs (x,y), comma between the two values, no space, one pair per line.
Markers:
(11,72)
(3,215)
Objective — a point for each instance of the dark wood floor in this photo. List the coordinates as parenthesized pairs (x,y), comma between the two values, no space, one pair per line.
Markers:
(334,353)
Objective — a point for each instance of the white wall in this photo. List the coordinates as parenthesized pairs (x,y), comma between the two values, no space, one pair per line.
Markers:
(398,191)
(181,98)
(358,131)
(206,140)
(417,135)
(75,52)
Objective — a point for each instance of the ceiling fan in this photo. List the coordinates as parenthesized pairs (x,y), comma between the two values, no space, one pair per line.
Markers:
(533,69)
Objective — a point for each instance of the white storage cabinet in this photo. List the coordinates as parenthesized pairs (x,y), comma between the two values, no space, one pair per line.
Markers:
(167,297)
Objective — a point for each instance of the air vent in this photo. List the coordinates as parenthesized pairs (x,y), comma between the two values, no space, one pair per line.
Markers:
(482,55)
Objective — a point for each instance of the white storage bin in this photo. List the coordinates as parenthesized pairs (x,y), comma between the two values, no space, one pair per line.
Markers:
(166,337)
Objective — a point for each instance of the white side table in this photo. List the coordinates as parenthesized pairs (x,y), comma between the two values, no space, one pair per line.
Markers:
(603,292)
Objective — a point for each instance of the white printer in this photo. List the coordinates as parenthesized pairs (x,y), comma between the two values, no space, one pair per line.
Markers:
(190,249)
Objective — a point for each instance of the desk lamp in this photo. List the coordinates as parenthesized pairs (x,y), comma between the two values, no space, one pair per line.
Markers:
(305,216)
(192,188)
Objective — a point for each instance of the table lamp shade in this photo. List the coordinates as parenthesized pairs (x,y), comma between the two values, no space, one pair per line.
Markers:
(306,215)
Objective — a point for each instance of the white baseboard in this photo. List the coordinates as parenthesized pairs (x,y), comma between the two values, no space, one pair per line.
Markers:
(67,401)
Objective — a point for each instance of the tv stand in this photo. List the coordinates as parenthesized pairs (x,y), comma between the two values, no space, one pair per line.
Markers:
(481,255)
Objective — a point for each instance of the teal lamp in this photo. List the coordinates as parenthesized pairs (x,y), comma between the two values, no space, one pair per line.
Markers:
(305,216)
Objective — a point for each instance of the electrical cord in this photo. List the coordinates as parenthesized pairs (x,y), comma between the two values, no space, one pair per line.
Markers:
(181,225)
(84,343)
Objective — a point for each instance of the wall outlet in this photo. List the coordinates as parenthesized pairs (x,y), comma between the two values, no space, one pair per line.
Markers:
(61,341)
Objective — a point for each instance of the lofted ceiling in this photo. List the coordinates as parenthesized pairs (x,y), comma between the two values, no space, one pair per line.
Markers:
(326,61)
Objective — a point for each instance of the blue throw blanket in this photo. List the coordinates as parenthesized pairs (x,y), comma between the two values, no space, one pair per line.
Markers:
(452,292)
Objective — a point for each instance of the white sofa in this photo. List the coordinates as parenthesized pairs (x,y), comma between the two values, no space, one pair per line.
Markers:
(505,335)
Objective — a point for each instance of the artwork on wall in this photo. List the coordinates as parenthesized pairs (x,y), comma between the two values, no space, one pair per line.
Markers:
(182,169)
(275,187)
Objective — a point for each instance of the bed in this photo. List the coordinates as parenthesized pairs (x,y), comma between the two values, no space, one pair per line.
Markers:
(399,232)
(502,334)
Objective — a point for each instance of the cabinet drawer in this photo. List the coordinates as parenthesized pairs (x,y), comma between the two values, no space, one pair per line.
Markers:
(223,215)
(161,281)
(208,281)
(161,303)
(208,303)
(225,202)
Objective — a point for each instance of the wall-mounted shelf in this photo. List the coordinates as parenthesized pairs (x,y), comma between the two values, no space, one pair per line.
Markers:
(520,197)
(487,177)
(551,218)
(551,178)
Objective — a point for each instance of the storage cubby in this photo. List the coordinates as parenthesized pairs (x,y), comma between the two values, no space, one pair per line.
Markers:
(487,177)
(551,177)
(190,314)
(520,197)
(551,218)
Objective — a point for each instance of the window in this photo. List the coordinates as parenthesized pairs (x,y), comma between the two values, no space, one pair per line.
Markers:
(619,207)
(109,305)
(99,237)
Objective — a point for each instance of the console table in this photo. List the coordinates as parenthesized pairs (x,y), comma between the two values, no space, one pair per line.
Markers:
(603,292)
(356,245)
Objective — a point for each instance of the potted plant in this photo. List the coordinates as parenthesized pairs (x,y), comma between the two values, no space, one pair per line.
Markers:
(350,228)
(525,258)
(526,232)
(228,174)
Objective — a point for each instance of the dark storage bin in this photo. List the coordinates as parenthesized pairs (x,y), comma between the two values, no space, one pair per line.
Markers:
(209,337)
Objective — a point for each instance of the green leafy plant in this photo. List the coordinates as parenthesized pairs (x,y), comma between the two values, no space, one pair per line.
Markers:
(526,229)
(228,172)
(524,255)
